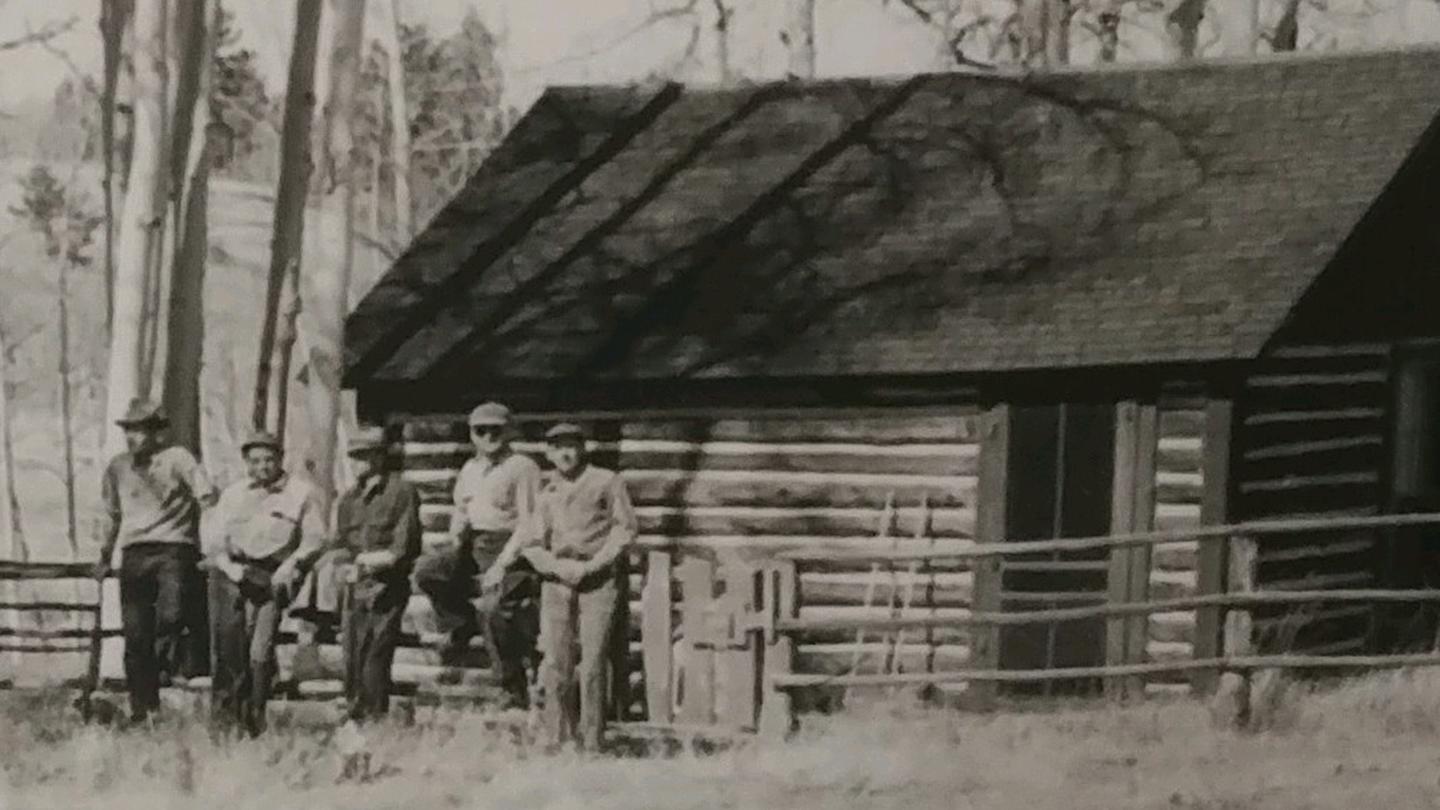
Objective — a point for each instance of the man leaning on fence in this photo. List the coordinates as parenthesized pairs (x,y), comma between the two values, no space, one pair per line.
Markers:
(577,542)
(495,492)
(377,538)
(152,496)
(271,528)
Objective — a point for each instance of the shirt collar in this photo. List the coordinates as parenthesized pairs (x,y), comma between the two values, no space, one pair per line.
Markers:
(274,486)
(374,484)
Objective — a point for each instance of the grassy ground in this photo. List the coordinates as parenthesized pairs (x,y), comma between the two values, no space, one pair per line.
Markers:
(1371,741)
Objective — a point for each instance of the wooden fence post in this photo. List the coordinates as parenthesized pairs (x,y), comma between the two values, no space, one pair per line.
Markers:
(780,601)
(657,632)
(1231,706)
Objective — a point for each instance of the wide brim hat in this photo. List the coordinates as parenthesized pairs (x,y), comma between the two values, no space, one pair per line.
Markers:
(143,413)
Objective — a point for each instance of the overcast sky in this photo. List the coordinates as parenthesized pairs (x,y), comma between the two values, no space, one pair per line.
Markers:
(570,41)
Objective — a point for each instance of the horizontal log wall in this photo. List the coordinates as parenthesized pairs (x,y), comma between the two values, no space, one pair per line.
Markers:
(762,485)
(1312,443)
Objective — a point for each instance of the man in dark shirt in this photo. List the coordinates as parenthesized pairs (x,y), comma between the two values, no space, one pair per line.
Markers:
(152,496)
(377,538)
(577,541)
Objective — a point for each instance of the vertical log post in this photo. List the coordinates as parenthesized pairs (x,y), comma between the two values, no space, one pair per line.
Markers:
(990,527)
(1214,510)
(1132,512)
(1231,705)
(656,634)
(780,602)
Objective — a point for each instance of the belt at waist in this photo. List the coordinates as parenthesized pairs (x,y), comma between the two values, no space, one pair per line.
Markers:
(264,563)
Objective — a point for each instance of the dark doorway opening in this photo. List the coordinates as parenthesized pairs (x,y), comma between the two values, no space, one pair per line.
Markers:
(1062,460)
(1410,557)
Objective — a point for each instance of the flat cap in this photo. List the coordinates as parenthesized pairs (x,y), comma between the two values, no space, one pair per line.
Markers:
(367,439)
(260,438)
(143,413)
(490,413)
(565,430)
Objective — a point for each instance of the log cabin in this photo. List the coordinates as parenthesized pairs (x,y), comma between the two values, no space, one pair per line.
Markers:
(950,308)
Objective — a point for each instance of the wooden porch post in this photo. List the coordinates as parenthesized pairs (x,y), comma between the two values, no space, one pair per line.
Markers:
(990,527)
(1215,509)
(1132,512)
(780,601)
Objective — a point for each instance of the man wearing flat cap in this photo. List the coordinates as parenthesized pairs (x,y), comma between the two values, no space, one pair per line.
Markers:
(271,529)
(376,541)
(152,495)
(494,494)
(577,543)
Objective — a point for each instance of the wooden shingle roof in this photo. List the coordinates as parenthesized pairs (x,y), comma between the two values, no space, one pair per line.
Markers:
(932,224)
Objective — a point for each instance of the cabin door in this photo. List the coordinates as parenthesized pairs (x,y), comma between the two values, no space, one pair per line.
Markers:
(1412,556)
(1061,463)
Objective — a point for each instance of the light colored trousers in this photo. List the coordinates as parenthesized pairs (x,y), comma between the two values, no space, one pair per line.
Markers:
(590,608)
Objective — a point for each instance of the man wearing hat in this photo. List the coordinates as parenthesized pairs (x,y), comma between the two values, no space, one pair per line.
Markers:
(582,528)
(377,538)
(152,495)
(271,529)
(494,494)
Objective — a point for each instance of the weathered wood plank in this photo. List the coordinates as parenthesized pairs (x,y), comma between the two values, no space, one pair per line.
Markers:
(777,712)
(658,631)
(959,428)
(805,521)
(747,488)
(697,699)
(991,525)
(1215,509)
(737,662)
(930,589)
(835,659)
(955,460)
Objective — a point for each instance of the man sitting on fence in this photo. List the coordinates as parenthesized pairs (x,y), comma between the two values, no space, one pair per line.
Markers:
(577,542)
(495,491)
(271,529)
(152,497)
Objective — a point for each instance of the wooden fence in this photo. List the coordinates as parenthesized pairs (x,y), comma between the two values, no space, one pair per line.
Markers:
(1241,595)
(739,619)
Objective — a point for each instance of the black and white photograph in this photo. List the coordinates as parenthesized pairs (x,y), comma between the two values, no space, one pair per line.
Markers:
(720,404)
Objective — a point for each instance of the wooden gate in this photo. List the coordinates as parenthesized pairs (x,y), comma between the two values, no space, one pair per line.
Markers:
(704,655)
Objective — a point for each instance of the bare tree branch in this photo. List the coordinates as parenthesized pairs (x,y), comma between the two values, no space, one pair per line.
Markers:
(38,37)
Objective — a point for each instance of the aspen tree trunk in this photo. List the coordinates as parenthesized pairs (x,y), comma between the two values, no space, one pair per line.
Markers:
(1182,25)
(141,223)
(1240,28)
(330,279)
(67,411)
(1110,30)
(799,39)
(1057,32)
(400,126)
(114,16)
(186,331)
(288,228)
(723,13)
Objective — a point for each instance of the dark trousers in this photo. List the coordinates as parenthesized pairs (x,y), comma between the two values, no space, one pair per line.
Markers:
(247,624)
(154,586)
(511,615)
(583,618)
(370,632)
